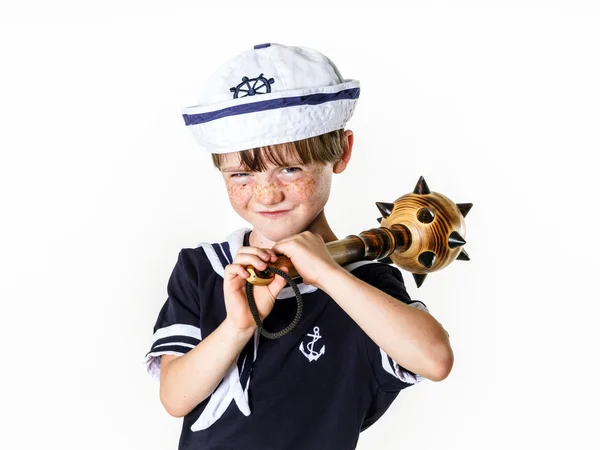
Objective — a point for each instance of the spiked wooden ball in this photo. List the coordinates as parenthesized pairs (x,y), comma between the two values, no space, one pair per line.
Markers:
(436,228)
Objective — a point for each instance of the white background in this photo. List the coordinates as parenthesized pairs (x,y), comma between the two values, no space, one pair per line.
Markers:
(494,103)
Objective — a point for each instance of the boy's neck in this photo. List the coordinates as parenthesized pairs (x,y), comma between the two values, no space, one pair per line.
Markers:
(318,226)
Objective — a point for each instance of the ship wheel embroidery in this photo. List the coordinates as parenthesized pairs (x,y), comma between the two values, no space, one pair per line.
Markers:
(261,86)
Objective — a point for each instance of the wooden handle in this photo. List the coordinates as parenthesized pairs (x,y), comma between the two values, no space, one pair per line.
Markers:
(377,243)
(421,232)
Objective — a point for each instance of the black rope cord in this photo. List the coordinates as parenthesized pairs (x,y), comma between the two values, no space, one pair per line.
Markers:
(254,309)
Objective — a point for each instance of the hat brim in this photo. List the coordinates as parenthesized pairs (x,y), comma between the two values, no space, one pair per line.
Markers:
(274,118)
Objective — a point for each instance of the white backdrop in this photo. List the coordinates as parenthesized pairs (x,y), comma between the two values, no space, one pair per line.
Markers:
(494,103)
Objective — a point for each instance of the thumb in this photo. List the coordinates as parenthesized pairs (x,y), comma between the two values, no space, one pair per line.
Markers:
(278,283)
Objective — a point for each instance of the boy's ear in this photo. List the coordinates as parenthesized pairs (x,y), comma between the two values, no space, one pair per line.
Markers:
(347,142)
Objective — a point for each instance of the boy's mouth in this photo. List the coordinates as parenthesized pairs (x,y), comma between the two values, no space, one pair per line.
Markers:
(273,214)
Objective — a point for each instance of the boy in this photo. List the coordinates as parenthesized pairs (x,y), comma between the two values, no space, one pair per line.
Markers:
(273,119)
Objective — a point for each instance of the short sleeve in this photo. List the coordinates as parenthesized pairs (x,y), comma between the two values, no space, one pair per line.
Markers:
(177,329)
(390,375)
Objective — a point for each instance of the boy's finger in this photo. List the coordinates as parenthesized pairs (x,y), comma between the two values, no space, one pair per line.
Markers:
(250,260)
(265,254)
(277,285)
(280,248)
(233,270)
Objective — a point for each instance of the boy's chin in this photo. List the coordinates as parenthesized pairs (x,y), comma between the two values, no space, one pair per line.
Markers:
(277,235)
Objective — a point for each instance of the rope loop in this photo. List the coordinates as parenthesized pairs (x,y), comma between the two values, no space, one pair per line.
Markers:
(254,309)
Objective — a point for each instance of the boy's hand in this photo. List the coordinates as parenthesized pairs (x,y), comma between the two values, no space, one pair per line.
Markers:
(234,287)
(310,257)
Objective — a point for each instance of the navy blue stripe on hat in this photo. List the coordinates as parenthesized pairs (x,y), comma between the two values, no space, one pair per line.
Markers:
(312,99)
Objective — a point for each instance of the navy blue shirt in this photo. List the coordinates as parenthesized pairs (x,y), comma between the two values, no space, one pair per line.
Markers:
(317,387)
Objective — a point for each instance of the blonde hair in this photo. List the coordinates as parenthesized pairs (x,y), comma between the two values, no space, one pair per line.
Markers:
(325,148)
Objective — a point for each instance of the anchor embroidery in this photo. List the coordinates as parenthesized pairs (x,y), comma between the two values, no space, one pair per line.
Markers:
(312,355)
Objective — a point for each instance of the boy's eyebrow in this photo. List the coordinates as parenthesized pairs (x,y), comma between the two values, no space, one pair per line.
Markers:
(243,169)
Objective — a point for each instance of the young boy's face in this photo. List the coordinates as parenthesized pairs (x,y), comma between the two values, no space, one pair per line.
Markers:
(280,201)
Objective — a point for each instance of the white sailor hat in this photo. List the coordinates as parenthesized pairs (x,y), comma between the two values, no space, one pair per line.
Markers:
(269,95)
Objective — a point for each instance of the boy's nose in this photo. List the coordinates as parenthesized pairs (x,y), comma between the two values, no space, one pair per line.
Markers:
(268,194)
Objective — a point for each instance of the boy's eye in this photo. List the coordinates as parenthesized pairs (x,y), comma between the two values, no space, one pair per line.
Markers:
(292,169)
(238,175)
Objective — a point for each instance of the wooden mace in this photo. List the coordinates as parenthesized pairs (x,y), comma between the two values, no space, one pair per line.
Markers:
(421,232)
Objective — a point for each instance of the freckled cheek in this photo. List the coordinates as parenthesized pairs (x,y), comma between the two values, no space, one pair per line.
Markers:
(306,189)
(239,195)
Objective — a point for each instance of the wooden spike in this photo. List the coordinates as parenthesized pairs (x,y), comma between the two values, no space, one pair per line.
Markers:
(421,187)
(427,259)
(385,208)
(419,278)
(463,256)
(379,219)
(455,240)
(464,208)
